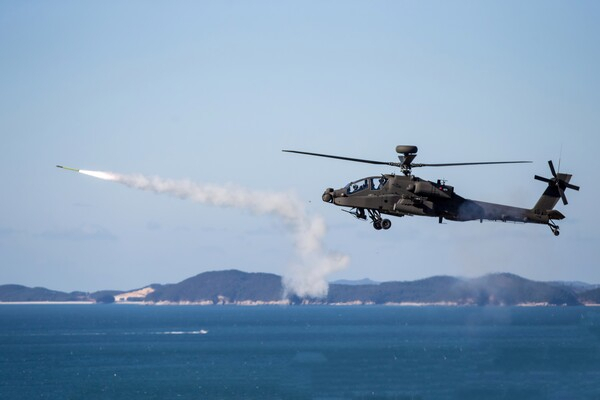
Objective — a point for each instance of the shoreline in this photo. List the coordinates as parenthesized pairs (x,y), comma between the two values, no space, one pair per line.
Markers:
(287,303)
(46,302)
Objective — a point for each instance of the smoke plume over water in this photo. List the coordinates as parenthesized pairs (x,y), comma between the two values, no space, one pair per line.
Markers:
(313,263)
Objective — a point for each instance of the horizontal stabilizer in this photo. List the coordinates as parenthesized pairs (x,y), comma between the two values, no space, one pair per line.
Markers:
(555,214)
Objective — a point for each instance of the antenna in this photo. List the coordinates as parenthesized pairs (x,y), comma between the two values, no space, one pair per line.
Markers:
(560,157)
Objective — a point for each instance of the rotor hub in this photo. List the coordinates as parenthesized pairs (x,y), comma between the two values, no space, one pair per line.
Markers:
(406,157)
(402,149)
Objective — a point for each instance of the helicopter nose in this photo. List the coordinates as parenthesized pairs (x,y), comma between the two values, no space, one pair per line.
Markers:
(328,195)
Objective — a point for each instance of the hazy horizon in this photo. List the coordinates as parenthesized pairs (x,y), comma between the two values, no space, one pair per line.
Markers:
(335,281)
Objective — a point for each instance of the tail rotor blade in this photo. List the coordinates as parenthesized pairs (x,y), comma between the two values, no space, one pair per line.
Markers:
(574,187)
(552,168)
(562,196)
(541,178)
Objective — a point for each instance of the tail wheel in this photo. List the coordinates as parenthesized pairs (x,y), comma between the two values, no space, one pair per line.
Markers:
(554,228)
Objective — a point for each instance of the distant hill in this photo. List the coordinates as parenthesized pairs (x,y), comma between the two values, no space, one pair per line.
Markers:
(494,289)
(431,290)
(222,287)
(499,289)
(590,296)
(365,281)
(104,296)
(18,293)
(237,287)
(576,286)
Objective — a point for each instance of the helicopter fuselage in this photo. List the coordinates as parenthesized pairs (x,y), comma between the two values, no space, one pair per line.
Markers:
(400,195)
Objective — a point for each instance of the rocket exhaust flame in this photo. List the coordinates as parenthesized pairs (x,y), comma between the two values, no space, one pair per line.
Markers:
(107,176)
(307,275)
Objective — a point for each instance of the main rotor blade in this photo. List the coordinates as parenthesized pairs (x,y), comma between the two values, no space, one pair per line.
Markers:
(552,168)
(401,165)
(394,164)
(470,163)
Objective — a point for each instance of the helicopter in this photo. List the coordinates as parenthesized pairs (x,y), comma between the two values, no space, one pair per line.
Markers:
(406,194)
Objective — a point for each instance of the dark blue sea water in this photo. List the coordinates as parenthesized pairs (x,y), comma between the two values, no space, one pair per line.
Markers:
(307,352)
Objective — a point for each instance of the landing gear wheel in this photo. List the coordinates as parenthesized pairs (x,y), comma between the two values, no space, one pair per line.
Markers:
(386,224)
(377,225)
(554,228)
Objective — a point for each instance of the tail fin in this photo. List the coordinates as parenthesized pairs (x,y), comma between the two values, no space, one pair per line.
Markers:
(552,194)
(554,191)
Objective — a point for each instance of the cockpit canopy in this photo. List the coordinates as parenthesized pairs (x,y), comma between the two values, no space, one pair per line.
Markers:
(371,183)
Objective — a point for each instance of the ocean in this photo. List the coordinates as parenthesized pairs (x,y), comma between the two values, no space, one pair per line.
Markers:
(298,352)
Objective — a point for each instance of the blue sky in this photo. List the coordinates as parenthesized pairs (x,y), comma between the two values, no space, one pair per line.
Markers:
(212,91)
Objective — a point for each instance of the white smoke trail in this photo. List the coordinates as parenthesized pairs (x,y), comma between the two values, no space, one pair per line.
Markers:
(307,275)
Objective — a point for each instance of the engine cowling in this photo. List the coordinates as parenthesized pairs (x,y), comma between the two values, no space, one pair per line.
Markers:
(429,190)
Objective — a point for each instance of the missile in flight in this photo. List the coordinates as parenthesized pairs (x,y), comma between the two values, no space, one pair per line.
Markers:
(107,176)
(70,169)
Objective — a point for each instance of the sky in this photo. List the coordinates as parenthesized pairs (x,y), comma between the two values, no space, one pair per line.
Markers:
(212,91)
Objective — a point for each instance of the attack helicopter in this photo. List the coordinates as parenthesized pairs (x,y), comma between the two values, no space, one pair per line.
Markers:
(406,194)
